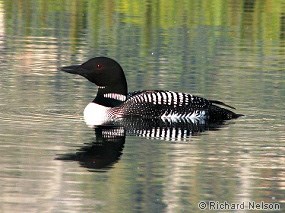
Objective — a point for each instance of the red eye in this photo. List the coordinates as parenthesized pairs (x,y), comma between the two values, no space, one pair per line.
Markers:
(99,66)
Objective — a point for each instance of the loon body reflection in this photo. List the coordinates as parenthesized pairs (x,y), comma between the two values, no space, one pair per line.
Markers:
(107,147)
(102,152)
(113,101)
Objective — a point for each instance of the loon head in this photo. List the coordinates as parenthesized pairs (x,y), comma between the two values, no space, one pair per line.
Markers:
(108,75)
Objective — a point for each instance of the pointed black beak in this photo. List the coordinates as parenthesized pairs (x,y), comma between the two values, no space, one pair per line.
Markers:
(73,69)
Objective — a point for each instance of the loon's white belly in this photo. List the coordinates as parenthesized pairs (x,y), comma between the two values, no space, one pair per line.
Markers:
(95,114)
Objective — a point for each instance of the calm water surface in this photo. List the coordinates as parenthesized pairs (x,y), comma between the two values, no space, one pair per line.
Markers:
(232,51)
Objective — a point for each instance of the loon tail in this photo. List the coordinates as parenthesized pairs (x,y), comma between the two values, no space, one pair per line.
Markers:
(221,103)
(217,113)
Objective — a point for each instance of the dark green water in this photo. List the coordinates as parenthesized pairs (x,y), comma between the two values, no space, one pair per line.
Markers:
(232,51)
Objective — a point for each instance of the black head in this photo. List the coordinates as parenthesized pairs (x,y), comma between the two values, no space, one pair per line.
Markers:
(101,71)
(105,73)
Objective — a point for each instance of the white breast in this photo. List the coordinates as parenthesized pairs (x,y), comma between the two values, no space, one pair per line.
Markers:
(95,114)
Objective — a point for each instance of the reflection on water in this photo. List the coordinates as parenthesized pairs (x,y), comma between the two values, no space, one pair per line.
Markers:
(101,153)
(231,51)
(108,144)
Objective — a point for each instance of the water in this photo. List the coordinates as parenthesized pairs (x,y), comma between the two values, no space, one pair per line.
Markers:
(226,50)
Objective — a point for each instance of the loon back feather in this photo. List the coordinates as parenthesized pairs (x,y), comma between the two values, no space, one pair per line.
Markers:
(221,103)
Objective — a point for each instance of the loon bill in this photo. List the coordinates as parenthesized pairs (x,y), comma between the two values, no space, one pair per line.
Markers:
(113,101)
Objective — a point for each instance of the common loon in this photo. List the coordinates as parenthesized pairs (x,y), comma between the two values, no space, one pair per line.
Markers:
(113,100)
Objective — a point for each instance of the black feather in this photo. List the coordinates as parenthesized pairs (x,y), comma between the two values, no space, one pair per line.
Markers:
(220,103)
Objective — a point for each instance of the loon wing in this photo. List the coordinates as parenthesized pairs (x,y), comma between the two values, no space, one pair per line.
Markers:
(170,98)
(160,103)
(131,94)
(174,105)
(221,103)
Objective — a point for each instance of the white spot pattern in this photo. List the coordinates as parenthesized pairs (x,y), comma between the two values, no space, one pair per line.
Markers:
(169,98)
(116,96)
(172,106)
(164,97)
(159,98)
(154,98)
(149,97)
(174,98)
(145,98)
(181,99)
